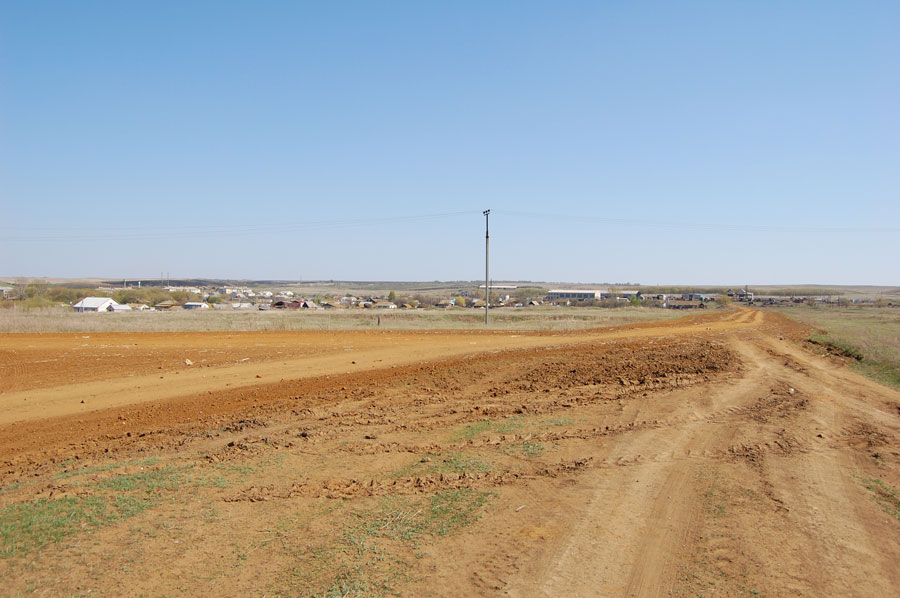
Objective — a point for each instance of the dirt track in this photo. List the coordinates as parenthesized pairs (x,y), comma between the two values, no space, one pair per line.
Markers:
(708,456)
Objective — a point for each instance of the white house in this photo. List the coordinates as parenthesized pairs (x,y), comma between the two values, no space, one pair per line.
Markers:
(95,304)
(195,305)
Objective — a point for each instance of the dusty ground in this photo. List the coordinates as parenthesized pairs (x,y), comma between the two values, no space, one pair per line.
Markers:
(707,456)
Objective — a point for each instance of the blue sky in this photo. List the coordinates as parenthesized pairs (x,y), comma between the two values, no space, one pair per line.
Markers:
(656,142)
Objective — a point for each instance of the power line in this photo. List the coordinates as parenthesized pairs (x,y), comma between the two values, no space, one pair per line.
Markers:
(39,234)
(726,226)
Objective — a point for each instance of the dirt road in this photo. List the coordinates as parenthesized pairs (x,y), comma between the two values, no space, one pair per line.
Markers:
(708,456)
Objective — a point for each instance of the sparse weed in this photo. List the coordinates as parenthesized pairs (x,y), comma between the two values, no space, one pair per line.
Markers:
(884,495)
(10,487)
(472,430)
(527,448)
(373,551)
(100,468)
(454,463)
(510,425)
(148,482)
(462,464)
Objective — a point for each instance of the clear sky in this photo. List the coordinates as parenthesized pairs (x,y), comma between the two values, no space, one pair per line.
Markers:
(653,142)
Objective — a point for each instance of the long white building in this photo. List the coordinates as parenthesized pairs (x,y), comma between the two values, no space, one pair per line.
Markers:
(575,294)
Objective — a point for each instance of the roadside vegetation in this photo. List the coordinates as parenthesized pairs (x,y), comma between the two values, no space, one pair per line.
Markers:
(867,335)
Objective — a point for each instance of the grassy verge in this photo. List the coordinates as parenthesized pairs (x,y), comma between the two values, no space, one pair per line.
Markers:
(870,336)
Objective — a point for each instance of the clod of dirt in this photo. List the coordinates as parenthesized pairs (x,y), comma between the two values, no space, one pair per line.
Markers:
(188,362)
(258,376)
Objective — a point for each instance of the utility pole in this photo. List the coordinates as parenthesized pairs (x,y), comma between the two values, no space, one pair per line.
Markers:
(487,288)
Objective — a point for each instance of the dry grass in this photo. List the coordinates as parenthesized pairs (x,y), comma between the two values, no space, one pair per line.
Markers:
(869,334)
(537,318)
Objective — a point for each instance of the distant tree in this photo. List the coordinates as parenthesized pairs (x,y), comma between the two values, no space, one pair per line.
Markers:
(128,296)
(64,295)
(723,300)
(635,301)
(460,301)
(183,296)
(392,296)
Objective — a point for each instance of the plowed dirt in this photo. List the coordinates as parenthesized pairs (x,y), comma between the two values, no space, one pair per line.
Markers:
(707,456)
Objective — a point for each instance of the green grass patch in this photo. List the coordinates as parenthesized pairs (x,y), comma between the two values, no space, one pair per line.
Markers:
(30,526)
(884,495)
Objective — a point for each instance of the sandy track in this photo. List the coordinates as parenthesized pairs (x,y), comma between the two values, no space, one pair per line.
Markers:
(708,456)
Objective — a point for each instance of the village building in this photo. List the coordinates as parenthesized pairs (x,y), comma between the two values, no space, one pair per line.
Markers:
(195,305)
(573,294)
(98,304)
